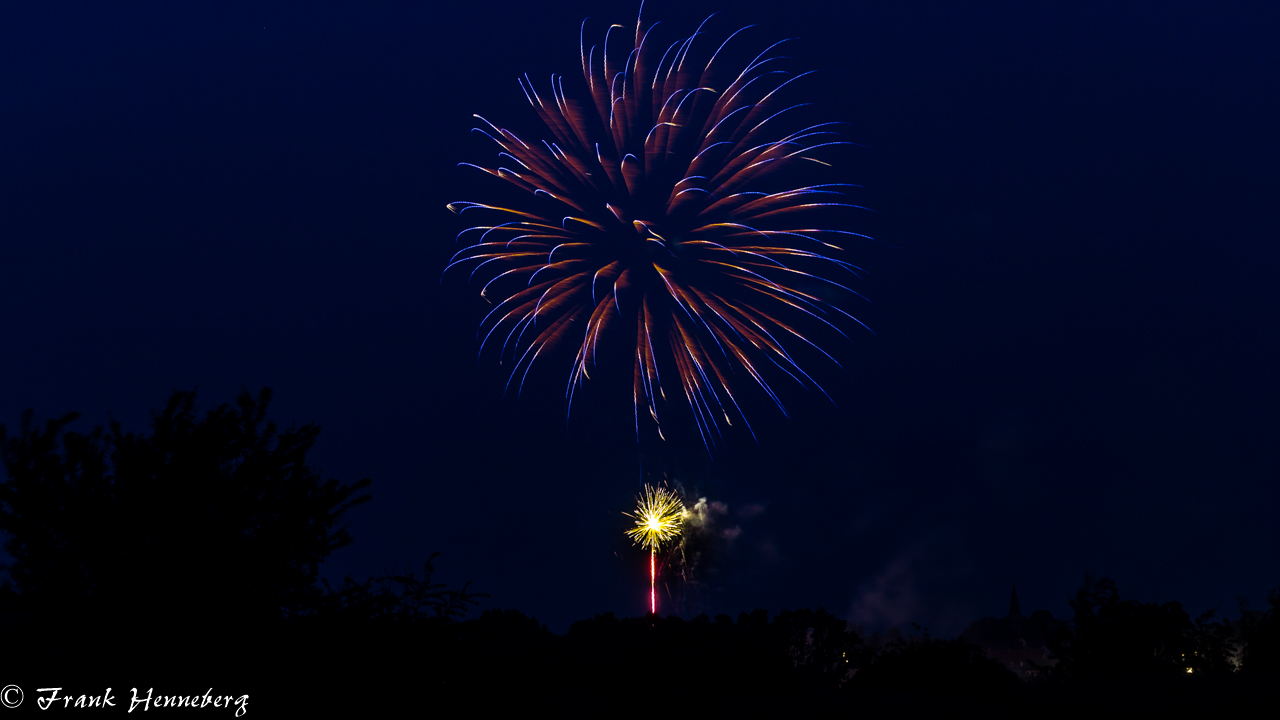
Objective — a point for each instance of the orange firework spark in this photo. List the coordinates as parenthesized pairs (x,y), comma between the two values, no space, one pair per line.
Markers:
(668,208)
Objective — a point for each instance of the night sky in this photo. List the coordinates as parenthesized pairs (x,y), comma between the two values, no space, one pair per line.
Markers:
(1072,296)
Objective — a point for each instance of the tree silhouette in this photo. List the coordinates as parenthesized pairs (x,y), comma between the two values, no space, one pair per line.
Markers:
(819,644)
(1260,637)
(1114,639)
(214,520)
(925,676)
(398,597)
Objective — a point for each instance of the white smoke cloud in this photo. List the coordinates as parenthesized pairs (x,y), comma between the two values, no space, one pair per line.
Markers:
(707,518)
(889,599)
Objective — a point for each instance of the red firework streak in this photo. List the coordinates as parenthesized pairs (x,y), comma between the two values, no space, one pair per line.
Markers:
(653,581)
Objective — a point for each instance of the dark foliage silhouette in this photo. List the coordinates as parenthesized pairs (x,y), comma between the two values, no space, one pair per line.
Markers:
(819,645)
(214,522)
(397,597)
(191,553)
(797,659)
(1259,637)
(925,675)
(1113,639)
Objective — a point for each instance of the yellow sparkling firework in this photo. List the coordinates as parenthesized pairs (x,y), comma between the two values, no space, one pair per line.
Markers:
(659,518)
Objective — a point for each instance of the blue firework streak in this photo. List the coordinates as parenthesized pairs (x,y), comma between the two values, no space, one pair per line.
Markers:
(667,208)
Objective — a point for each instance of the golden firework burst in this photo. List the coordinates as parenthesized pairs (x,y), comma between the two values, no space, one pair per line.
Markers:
(659,518)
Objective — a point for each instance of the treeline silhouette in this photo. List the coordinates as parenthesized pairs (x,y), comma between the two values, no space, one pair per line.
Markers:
(190,555)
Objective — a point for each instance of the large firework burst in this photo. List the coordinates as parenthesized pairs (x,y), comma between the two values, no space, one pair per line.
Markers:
(674,207)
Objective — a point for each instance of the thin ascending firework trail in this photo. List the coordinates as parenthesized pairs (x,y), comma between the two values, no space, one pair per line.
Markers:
(677,205)
(659,520)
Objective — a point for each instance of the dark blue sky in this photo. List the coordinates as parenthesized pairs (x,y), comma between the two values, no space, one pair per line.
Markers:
(1075,312)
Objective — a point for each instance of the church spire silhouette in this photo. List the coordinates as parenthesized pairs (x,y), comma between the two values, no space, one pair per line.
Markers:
(1014,610)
